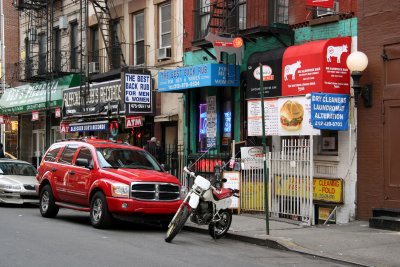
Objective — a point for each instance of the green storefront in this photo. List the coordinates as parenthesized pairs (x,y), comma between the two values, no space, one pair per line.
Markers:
(31,129)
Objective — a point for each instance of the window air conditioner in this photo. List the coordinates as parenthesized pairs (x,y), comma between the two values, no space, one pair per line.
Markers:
(94,67)
(321,12)
(164,53)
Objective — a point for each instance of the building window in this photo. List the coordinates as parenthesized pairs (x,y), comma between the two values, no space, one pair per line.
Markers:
(116,51)
(42,53)
(94,45)
(138,39)
(321,11)
(281,11)
(165,25)
(242,14)
(57,50)
(74,46)
(204,16)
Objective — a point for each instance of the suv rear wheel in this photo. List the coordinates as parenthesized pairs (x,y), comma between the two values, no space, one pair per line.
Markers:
(99,214)
(48,207)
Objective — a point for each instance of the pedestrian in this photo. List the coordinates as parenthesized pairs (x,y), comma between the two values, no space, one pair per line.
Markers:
(159,152)
(151,146)
(2,155)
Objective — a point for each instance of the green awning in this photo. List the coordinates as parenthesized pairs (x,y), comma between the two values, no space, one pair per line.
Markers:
(34,96)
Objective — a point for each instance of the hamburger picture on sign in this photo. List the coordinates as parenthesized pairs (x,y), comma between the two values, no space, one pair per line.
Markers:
(295,116)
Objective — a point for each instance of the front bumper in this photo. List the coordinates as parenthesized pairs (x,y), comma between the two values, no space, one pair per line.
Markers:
(19,198)
(131,206)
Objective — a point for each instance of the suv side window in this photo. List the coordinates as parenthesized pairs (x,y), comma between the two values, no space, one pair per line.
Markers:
(68,154)
(85,153)
(52,154)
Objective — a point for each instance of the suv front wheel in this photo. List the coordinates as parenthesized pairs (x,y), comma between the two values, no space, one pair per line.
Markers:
(99,214)
(48,207)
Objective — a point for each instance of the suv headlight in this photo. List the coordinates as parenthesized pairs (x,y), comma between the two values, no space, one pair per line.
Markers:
(120,190)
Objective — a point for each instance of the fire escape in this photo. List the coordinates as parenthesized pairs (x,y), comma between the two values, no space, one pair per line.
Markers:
(111,32)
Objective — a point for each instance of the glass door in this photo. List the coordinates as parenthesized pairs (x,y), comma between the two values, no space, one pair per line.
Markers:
(38,137)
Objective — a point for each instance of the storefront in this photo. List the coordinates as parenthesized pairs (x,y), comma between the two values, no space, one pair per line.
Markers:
(102,109)
(34,108)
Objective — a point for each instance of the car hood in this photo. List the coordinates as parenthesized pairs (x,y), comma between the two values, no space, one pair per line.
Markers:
(18,179)
(139,175)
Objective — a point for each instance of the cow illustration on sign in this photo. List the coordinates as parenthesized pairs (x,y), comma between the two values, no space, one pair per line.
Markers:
(335,51)
(291,70)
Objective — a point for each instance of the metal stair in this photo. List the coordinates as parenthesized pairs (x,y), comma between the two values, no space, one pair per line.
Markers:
(223,17)
(104,19)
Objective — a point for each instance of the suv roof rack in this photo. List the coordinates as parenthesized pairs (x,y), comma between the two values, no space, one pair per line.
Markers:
(82,139)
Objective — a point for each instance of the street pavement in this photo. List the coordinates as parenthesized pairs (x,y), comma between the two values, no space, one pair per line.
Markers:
(353,243)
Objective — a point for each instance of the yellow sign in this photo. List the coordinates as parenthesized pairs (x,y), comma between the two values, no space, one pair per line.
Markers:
(324,189)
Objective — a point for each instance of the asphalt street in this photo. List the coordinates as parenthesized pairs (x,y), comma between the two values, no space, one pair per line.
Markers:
(27,239)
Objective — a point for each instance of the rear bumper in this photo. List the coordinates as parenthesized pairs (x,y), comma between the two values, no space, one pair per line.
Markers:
(128,206)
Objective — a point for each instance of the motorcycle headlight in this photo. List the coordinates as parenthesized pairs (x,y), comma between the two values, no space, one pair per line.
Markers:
(120,190)
(183,192)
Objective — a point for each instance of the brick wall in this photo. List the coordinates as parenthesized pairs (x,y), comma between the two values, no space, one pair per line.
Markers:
(188,27)
(11,36)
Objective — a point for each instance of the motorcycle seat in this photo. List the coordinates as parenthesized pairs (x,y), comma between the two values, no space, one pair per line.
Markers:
(222,193)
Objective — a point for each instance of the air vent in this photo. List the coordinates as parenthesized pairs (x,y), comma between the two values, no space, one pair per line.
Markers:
(93,67)
(164,53)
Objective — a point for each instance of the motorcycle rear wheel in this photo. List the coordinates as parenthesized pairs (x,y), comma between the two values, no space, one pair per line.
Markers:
(177,224)
(220,228)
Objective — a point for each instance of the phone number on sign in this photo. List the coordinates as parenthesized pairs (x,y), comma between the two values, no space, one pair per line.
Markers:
(329,123)
(184,85)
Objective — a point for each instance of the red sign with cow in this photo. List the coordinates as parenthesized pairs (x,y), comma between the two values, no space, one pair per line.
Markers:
(321,3)
(318,66)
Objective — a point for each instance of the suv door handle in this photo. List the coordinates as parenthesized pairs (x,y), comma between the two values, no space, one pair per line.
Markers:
(72,172)
(53,169)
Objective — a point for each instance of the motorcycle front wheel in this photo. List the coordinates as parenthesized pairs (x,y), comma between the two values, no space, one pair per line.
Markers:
(177,224)
(220,228)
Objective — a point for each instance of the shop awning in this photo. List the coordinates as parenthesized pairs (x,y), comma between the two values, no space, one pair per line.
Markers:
(36,96)
(318,66)
(198,76)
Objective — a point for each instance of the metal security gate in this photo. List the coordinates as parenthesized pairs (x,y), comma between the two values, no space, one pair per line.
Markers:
(291,181)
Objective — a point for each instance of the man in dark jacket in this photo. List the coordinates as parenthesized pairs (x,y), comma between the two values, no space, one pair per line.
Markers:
(152,146)
(2,155)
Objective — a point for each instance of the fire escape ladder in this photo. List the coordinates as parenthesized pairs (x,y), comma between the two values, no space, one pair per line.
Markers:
(223,17)
(104,19)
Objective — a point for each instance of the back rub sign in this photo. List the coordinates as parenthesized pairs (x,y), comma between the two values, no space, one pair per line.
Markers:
(318,66)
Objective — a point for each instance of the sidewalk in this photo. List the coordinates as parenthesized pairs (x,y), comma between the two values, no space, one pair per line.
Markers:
(353,243)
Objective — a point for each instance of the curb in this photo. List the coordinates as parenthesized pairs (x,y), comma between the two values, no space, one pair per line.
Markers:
(277,243)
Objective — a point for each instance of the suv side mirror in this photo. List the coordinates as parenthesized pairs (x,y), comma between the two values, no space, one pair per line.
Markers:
(82,163)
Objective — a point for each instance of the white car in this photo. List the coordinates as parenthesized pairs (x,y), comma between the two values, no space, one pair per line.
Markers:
(17,182)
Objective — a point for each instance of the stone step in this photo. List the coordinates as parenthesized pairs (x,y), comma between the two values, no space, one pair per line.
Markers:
(385,223)
(377,212)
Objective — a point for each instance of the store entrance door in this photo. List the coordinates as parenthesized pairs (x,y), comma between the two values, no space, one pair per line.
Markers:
(38,137)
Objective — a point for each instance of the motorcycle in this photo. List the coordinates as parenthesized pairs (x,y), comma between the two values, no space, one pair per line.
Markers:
(206,205)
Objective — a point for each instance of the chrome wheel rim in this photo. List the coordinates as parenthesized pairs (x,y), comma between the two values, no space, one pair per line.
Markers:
(97,209)
(45,201)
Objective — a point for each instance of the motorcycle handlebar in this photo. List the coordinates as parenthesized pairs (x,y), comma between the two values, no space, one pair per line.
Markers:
(189,172)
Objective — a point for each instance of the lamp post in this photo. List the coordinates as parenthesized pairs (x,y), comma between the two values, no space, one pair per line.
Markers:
(357,62)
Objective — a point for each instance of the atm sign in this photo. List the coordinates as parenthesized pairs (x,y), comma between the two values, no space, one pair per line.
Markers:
(133,121)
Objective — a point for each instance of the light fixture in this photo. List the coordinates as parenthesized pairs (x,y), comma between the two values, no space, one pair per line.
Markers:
(357,62)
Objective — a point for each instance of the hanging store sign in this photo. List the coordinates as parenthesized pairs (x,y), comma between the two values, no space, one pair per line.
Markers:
(57,113)
(88,126)
(133,121)
(318,66)
(283,117)
(64,127)
(138,90)
(272,73)
(100,98)
(198,76)
(330,111)
(229,45)
(321,3)
(5,119)
(35,115)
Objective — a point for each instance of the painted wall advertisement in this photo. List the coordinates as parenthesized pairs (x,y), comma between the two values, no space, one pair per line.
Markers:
(283,117)
(330,111)
(138,92)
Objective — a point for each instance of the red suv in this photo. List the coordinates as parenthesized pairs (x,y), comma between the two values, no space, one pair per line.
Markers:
(107,179)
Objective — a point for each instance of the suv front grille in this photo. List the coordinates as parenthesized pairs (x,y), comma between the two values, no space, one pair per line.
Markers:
(155,191)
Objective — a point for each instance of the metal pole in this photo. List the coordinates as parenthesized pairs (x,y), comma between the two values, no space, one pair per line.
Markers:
(264,150)
(3,68)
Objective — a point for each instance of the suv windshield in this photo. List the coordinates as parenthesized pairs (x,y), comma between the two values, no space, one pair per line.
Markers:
(126,158)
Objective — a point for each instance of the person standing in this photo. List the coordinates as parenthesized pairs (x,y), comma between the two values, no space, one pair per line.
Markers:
(2,155)
(151,146)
